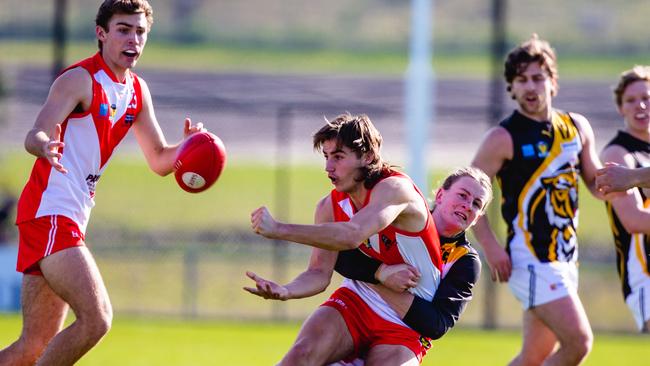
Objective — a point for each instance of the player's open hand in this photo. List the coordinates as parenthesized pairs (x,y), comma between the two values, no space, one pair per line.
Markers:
(499,262)
(398,277)
(51,150)
(190,129)
(266,289)
(263,223)
(613,178)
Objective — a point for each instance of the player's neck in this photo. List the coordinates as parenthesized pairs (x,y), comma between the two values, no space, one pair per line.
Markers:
(542,116)
(643,135)
(444,230)
(358,195)
(119,71)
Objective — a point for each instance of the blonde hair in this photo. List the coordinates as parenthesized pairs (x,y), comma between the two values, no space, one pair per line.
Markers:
(475,173)
(637,73)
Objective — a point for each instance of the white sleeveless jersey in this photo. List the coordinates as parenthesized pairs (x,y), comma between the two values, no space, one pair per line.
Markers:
(90,138)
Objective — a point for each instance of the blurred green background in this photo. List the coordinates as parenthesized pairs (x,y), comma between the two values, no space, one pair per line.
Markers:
(262,75)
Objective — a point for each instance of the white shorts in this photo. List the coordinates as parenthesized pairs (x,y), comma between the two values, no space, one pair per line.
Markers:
(539,283)
(639,303)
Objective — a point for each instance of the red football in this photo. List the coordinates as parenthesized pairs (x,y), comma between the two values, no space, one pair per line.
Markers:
(199,162)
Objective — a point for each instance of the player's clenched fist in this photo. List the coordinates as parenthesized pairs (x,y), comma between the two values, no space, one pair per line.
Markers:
(266,289)
(398,277)
(263,223)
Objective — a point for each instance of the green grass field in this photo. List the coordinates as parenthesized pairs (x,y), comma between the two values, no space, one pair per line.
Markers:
(215,58)
(125,190)
(176,342)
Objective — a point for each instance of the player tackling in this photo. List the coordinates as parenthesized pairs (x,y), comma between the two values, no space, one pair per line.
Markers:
(89,109)
(378,210)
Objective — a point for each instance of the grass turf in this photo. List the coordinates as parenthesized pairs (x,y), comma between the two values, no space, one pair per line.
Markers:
(175,342)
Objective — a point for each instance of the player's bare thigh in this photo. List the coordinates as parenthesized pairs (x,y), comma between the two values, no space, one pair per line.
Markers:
(324,338)
(73,275)
(389,354)
(566,318)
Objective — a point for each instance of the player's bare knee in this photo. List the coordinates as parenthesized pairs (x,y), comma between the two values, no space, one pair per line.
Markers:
(301,353)
(581,347)
(529,359)
(96,322)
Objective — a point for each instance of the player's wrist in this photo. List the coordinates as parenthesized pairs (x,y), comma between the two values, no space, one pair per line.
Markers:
(380,274)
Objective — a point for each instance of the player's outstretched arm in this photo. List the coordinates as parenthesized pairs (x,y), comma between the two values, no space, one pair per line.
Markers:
(389,199)
(159,154)
(495,149)
(589,161)
(629,207)
(72,88)
(313,280)
(617,178)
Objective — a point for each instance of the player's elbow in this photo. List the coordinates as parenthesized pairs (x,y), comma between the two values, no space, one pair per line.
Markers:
(350,239)
(161,171)
(634,226)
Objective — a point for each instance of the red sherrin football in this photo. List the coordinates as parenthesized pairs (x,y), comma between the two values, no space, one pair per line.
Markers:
(199,162)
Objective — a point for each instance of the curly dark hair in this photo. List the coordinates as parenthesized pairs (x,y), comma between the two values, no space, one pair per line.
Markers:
(532,50)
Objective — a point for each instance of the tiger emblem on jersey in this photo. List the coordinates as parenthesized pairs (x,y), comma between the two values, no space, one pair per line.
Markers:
(561,196)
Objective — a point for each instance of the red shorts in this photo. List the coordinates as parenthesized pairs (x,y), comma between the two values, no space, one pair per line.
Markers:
(369,329)
(43,236)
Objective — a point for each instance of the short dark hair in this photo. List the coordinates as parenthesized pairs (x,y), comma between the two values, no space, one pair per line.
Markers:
(358,134)
(112,7)
(532,50)
(637,73)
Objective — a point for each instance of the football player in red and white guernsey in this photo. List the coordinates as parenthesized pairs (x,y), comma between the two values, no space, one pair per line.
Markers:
(378,210)
(89,109)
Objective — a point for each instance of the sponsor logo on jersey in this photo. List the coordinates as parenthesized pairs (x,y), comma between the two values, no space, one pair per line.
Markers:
(528,151)
(128,119)
(103,110)
(113,111)
(542,149)
(425,342)
(91,181)
(338,302)
(571,146)
(387,242)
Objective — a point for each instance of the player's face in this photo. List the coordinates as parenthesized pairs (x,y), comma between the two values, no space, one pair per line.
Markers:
(342,166)
(124,40)
(635,108)
(533,90)
(458,207)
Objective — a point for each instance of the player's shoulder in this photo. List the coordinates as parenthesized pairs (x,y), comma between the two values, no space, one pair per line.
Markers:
(617,154)
(74,76)
(324,209)
(75,82)
(397,185)
(580,121)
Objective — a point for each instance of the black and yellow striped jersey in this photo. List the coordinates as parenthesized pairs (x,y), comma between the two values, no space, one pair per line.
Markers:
(540,188)
(632,249)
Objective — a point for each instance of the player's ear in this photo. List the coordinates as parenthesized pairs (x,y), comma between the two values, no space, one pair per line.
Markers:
(368,158)
(439,194)
(554,87)
(100,32)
